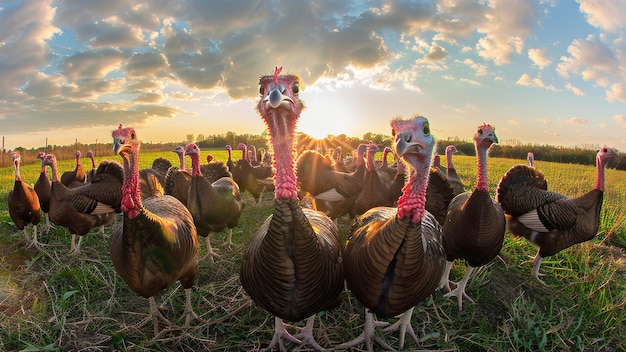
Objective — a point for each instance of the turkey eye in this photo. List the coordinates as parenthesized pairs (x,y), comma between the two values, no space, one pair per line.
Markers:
(604,150)
(261,90)
(426,129)
(480,131)
(132,136)
(295,89)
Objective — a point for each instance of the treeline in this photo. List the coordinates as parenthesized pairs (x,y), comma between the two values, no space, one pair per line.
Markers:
(541,152)
(583,156)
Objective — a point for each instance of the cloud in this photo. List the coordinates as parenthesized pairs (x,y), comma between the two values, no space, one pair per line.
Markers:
(436,53)
(590,58)
(609,15)
(513,122)
(539,57)
(621,119)
(616,92)
(577,121)
(544,121)
(506,24)
(526,80)
(574,89)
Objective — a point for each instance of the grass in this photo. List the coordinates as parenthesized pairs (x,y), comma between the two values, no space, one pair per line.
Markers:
(53,301)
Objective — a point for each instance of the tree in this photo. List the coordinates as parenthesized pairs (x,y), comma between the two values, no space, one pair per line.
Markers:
(190,138)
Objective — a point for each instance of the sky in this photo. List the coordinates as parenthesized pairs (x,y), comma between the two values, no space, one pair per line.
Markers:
(542,72)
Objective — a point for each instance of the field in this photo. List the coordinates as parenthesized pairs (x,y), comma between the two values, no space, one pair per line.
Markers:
(51,300)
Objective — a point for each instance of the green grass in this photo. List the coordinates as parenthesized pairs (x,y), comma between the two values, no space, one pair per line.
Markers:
(50,300)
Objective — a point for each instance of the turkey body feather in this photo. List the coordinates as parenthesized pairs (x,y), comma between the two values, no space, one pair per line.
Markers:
(284,259)
(400,255)
(147,251)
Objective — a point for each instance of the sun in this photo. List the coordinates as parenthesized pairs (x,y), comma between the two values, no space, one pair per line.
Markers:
(321,120)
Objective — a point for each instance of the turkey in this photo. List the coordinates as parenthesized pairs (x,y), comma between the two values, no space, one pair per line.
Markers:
(158,170)
(214,206)
(474,226)
(439,194)
(339,164)
(178,179)
(334,192)
(213,170)
(398,250)
(76,178)
(23,204)
(531,159)
(292,267)
(157,244)
(453,177)
(42,187)
(91,172)
(375,191)
(83,208)
(255,180)
(384,168)
(550,220)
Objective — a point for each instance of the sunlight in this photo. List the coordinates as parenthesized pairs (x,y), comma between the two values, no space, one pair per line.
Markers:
(326,115)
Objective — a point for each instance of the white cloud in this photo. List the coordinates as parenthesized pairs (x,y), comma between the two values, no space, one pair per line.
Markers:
(574,89)
(513,122)
(621,119)
(526,80)
(616,92)
(577,121)
(609,15)
(539,57)
(544,121)
(589,57)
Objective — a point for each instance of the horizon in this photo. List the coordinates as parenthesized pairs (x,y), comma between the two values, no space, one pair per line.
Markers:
(543,72)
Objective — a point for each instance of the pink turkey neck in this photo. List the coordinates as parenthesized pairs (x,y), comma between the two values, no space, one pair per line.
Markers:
(244,151)
(195,164)
(181,160)
(449,158)
(599,174)
(131,199)
(53,167)
(413,200)
(370,159)
(481,179)
(284,151)
(18,177)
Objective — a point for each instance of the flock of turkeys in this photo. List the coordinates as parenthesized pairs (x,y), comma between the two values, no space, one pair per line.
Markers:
(412,220)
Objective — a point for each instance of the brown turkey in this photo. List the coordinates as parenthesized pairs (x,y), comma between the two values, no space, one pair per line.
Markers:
(375,191)
(92,172)
(158,170)
(23,204)
(157,244)
(292,267)
(339,165)
(333,192)
(214,170)
(453,177)
(215,205)
(550,220)
(43,187)
(83,208)
(178,179)
(77,177)
(397,250)
(474,226)
(255,180)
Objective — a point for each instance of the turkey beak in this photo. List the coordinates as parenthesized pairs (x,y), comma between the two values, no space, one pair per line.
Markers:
(118,144)
(404,144)
(277,99)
